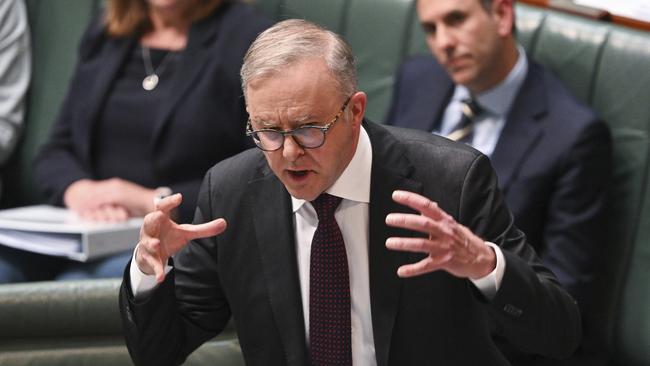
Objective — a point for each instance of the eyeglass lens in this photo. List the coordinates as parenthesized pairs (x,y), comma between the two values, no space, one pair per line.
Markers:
(306,136)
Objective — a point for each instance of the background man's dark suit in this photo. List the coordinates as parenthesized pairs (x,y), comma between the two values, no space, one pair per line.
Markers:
(552,160)
(203,116)
(250,270)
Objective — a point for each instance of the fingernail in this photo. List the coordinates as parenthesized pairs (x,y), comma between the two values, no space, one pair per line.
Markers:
(401,272)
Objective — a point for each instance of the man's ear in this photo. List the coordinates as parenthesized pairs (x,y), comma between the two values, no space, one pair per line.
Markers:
(357,107)
(503,12)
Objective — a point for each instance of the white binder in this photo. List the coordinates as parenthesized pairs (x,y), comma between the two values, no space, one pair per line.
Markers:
(59,232)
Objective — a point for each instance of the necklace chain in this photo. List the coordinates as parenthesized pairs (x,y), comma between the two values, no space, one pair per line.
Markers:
(153,75)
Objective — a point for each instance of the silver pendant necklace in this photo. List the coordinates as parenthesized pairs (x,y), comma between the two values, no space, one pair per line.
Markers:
(150,82)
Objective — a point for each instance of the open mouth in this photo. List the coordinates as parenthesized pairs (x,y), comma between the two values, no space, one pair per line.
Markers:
(298,173)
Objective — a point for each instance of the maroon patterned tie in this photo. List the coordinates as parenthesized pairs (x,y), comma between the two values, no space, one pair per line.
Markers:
(329,290)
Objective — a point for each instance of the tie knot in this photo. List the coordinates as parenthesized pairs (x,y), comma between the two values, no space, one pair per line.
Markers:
(325,205)
(471,108)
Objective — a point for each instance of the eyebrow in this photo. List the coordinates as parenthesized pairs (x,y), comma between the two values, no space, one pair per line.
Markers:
(296,122)
(454,16)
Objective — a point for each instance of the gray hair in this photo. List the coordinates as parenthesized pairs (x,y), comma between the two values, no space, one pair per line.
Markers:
(294,40)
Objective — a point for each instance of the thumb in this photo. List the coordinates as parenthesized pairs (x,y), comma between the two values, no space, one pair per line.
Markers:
(169,203)
(212,228)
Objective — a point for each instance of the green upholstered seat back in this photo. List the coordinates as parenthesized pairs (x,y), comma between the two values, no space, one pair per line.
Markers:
(56,27)
(608,67)
(78,323)
(621,95)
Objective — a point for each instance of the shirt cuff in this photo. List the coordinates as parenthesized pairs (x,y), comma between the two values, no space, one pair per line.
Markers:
(489,285)
(142,284)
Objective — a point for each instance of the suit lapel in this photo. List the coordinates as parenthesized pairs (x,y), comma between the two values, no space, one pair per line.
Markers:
(103,69)
(390,171)
(273,226)
(192,63)
(429,101)
(523,129)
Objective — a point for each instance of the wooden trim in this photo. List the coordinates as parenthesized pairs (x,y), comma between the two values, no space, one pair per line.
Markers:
(580,10)
(540,3)
(569,7)
(630,22)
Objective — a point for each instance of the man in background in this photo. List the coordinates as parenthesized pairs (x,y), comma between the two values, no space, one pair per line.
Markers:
(551,153)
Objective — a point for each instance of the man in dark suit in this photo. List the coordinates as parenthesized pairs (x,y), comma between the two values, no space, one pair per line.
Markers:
(551,153)
(347,242)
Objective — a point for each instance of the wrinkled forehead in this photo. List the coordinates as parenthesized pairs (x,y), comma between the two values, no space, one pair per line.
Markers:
(299,74)
(308,86)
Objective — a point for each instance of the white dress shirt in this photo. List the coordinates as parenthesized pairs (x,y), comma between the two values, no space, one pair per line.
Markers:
(496,103)
(354,187)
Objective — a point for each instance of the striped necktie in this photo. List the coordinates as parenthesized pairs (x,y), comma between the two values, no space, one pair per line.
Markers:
(464,129)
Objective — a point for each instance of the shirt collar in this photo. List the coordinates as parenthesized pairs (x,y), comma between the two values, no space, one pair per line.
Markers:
(499,99)
(354,183)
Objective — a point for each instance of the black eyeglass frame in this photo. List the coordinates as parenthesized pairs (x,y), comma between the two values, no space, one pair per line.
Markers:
(250,132)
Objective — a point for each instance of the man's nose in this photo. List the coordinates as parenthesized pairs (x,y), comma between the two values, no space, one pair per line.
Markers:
(291,150)
(445,40)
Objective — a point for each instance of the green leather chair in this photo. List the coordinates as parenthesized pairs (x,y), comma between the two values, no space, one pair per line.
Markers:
(605,65)
(77,323)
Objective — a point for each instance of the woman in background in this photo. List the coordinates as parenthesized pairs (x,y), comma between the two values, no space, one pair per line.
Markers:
(155,101)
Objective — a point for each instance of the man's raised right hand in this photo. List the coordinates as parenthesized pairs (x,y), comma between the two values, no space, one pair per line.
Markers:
(161,237)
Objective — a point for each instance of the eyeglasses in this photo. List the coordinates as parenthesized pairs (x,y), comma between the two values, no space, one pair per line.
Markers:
(308,137)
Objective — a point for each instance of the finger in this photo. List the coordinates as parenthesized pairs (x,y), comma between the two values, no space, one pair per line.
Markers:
(167,204)
(84,215)
(94,215)
(151,224)
(151,252)
(426,265)
(420,204)
(114,213)
(122,213)
(153,261)
(212,228)
(143,253)
(419,223)
(417,245)
(104,214)
(159,270)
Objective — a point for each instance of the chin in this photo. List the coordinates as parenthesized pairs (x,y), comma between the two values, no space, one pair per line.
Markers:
(463,77)
(304,194)
(307,196)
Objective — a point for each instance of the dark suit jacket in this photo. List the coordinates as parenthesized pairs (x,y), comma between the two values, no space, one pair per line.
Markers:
(250,271)
(552,160)
(202,122)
